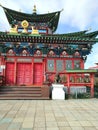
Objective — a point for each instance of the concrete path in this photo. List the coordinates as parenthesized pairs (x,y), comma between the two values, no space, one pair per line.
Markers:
(73,114)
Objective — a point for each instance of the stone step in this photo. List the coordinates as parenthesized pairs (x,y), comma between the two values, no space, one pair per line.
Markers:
(19,92)
(22,92)
(20,95)
(20,88)
(24,98)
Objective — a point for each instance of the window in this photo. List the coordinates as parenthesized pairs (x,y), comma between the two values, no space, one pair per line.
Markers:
(50,65)
(77,64)
(68,64)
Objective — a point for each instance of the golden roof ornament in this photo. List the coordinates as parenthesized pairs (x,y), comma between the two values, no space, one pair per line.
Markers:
(14,29)
(25,24)
(34,31)
(34,9)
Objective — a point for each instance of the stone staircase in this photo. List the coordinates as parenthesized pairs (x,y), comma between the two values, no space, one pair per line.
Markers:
(24,92)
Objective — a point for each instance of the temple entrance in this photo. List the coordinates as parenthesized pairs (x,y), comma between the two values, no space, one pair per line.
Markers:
(24,74)
(9,73)
(38,73)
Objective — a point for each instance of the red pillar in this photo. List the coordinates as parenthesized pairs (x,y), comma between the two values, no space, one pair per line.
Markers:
(92,85)
(15,73)
(68,84)
(44,71)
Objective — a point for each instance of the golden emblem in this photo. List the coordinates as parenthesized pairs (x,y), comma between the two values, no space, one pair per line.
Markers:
(25,24)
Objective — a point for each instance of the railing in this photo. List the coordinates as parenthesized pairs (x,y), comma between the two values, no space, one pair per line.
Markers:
(72,79)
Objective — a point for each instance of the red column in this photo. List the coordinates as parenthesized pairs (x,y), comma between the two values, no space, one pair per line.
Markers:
(92,85)
(68,84)
(32,70)
(15,73)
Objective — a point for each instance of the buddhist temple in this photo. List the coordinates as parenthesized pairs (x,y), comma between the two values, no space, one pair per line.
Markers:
(32,55)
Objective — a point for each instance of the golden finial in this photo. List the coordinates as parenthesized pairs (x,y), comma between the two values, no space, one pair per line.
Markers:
(34,9)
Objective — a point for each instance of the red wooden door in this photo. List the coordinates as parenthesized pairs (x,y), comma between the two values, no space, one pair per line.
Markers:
(9,73)
(38,73)
(28,73)
(24,73)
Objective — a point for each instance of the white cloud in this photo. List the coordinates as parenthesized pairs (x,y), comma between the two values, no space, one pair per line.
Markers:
(80,13)
(93,57)
(77,14)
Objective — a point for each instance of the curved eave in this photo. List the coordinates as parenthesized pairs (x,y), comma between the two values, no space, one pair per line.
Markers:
(4,37)
(74,34)
(50,18)
(91,34)
(81,34)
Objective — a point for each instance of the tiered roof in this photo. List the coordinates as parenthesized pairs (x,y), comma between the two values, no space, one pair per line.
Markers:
(83,40)
(49,19)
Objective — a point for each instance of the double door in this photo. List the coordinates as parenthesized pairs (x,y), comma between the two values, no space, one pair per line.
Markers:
(24,73)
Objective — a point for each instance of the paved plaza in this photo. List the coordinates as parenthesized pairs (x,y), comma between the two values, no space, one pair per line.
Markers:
(73,114)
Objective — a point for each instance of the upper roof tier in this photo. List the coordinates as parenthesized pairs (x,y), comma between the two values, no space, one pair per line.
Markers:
(50,19)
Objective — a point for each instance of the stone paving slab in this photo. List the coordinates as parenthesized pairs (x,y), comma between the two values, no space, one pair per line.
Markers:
(73,114)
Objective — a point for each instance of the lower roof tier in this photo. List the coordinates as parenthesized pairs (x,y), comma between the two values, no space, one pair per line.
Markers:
(48,39)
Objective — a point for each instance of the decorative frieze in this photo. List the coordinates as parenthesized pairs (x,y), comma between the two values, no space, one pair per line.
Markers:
(24,60)
(10,59)
(37,60)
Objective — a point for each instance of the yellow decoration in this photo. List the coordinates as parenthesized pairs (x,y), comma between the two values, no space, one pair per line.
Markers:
(14,29)
(25,24)
(34,31)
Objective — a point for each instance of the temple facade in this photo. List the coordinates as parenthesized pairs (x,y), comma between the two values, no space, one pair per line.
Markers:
(32,54)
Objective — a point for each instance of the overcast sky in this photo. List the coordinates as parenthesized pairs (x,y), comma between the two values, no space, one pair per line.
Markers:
(78,15)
